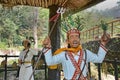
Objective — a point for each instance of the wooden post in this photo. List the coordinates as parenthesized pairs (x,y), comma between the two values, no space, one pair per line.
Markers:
(93,33)
(115,69)
(54,74)
(98,31)
(89,34)
(89,70)
(99,71)
(111,29)
(35,14)
(86,36)
(5,77)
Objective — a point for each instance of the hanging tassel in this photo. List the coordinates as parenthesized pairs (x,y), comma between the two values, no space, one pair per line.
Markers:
(46,3)
(28,2)
(42,3)
(31,2)
(50,2)
(21,2)
(11,2)
(24,1)
(15,2)
(57,1)
(36,3)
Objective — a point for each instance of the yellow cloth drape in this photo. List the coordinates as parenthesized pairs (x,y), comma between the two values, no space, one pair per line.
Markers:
(74,50)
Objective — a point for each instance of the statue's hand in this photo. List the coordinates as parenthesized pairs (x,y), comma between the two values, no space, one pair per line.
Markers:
(105,38)
(47,42)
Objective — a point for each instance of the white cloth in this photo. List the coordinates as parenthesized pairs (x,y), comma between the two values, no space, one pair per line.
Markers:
(26,68)
(67,65)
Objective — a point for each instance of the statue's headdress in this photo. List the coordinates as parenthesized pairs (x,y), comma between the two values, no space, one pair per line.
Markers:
(72,25)
(74,30)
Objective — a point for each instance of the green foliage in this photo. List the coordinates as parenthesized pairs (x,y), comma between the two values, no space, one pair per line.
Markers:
(10,62)
(18,22)
(104,25)
(72,22)
(92,18)
(79,23)
(2,45)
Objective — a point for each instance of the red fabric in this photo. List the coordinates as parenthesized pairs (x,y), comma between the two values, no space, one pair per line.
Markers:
(46,50)
(55,17)
(71,31)
(77,65)
(101,45)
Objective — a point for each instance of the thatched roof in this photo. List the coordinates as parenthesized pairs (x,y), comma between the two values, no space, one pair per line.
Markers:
(71,5)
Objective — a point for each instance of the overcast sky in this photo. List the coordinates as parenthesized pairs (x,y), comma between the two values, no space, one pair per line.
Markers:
(106,4)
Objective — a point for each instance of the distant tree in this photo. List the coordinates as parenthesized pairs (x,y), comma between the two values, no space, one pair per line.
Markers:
(19,21)
(9,31)
(118,3)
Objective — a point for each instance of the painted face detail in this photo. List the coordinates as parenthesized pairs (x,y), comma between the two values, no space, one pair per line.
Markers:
(74,40)
(71,31)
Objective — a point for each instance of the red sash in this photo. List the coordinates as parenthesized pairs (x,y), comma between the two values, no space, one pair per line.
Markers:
(77,65)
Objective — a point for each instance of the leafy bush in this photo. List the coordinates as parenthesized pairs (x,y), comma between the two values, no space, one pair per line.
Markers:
(2,45)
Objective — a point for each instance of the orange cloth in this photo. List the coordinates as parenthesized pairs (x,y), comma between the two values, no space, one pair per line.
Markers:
(74,50)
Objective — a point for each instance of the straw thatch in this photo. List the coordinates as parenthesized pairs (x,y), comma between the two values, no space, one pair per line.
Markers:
(71,5)
(74,6)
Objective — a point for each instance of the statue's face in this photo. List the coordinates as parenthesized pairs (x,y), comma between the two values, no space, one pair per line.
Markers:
(25,44)
(74,40)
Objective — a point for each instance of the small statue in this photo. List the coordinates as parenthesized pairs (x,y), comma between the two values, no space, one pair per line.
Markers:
(105,36)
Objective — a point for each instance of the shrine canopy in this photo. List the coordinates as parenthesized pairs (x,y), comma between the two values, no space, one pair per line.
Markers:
(72,6)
